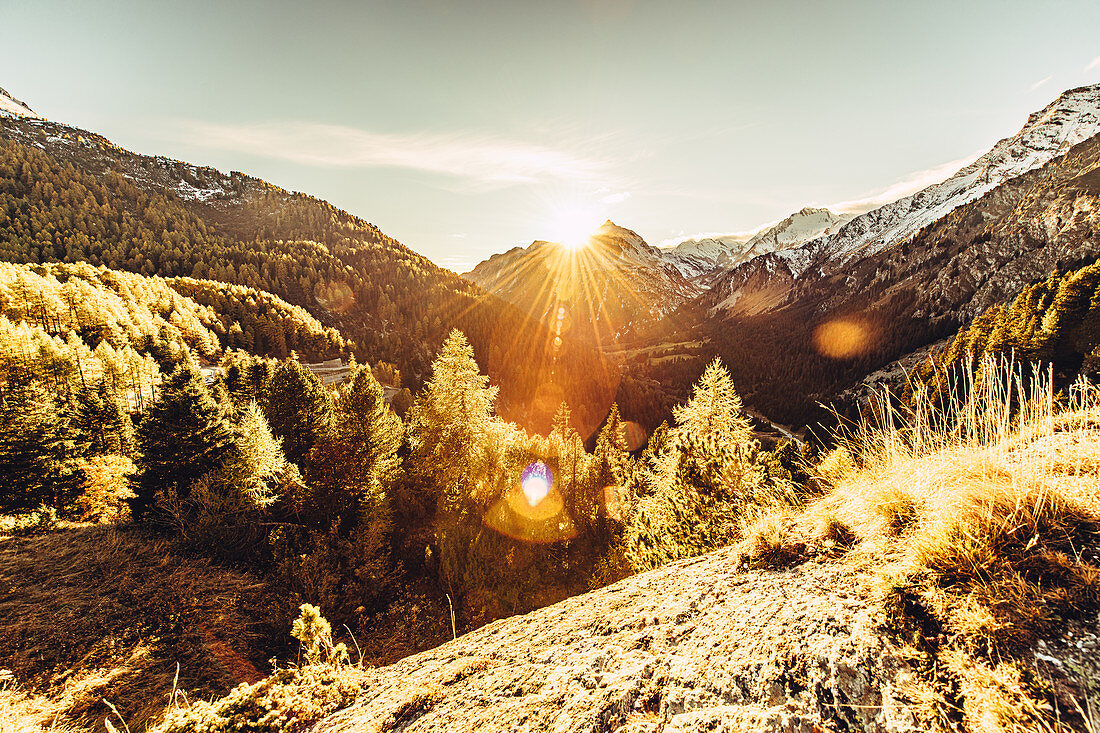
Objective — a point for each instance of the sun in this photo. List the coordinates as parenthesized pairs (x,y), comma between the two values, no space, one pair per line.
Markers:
(572,225)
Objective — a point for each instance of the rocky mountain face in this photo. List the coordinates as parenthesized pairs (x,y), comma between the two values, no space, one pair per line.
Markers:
(1048,134)
(615,285)
(12,107)
(710,256)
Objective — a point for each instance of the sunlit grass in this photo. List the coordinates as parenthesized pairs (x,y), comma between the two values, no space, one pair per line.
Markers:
(976,520)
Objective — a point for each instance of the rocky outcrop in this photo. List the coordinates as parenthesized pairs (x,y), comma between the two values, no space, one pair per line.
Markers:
(700,645)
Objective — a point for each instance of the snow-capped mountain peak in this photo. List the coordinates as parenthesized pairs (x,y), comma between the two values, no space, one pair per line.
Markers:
(1070,119)
(700,256)
(770,281)
(12,107)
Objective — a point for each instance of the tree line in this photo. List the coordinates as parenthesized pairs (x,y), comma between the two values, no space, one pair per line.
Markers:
(380,518)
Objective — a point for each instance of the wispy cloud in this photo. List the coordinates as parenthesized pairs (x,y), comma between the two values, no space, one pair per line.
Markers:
(1093,64)
(1040,83)
(905,186)
(615,198)
(484,160)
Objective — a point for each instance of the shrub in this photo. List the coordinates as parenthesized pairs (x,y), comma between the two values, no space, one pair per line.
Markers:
(106,489)
(290,699)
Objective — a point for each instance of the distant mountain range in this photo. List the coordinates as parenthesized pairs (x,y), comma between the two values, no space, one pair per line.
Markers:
(696,257)
(893,279)
(799,310)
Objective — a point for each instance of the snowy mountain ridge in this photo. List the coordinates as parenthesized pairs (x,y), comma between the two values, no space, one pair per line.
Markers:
(12,107)
(695,257)
(1070,119)
(1047,135)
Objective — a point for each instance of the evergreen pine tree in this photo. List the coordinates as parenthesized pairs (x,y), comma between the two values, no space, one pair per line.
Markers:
(183,435)
(354,465)
(700,480)
(450,425)
(298,409)
(103,421)
(39,452)
(609,472)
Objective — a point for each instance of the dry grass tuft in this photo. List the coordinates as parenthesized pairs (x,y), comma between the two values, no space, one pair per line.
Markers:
(289,699)
(23,712)
(286,701)
(983,519)
(771,540)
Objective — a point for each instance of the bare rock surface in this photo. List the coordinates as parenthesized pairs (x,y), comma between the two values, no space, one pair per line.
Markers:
(699,645)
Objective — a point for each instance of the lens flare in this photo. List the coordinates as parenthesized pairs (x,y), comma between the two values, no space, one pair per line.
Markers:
(843,338)
(536,481)
(532,510)
(634,435)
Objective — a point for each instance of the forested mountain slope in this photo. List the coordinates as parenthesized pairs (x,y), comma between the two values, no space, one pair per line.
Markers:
(69,195)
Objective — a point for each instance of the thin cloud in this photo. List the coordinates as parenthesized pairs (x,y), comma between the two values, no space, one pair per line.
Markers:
(615,198)
(904,187)
(1093,64)
(485,160)
(1040,83)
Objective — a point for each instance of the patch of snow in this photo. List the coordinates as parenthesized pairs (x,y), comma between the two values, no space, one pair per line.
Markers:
(12,107)
(694,257)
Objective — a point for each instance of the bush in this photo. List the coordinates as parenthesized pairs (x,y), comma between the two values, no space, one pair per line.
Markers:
(290,699)
(106,489)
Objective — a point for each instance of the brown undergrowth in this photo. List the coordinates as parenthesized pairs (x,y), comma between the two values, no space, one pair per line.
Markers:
(89,613)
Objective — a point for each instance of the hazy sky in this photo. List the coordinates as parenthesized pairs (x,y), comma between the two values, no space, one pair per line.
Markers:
(466,128)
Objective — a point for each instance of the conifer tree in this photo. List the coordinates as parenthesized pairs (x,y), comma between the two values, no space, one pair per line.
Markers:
(450,425)
(610,467)
(255,464)
(700,481)
(39,452)
(581,497)
(103,421)
(457,449)
(353,466)
(183,435)
(298,409)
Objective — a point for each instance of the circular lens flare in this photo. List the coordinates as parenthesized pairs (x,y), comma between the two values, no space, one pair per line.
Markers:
(536,481)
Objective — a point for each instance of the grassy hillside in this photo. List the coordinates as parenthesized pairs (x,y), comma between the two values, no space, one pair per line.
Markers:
(89,612)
